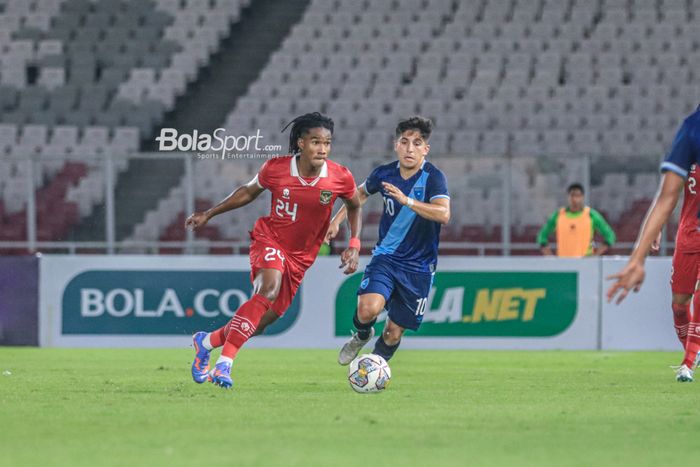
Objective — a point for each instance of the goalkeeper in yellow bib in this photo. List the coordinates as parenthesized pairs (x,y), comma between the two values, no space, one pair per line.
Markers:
(575,226)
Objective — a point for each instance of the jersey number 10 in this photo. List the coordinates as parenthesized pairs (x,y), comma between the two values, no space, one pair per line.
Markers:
(282,208)
(389,206)
(421,303)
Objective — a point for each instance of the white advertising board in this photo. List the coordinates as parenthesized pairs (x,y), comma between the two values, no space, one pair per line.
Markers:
(644,320)
(158,301)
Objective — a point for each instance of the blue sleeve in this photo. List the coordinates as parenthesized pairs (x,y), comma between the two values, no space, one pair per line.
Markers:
(373,183)
(682,153)
(437,186)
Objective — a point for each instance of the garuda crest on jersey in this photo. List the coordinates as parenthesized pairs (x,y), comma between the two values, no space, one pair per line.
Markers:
(326,196)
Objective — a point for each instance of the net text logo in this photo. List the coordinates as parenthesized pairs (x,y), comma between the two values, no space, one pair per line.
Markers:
(505,304)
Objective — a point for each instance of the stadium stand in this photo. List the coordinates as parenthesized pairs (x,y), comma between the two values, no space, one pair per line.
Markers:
(525,84)
(522,79)
(82,78)
(541,82)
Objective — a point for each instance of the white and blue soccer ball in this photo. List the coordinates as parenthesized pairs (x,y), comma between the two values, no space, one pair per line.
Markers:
(369,373)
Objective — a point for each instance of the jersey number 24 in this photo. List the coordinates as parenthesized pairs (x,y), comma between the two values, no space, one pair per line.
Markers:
(283,207)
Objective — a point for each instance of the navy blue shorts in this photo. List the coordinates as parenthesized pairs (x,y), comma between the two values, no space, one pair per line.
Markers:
(406,293)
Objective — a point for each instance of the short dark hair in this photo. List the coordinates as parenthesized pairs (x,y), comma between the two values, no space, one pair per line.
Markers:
(302,124)
(575,186)
(418,123)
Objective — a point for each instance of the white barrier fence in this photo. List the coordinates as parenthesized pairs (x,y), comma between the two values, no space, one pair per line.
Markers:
(475,303)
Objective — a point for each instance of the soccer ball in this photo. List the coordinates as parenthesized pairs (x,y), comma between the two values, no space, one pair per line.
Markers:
(369,373)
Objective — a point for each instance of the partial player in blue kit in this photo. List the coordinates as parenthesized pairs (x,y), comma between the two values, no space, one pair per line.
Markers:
(401,272)
(685,151)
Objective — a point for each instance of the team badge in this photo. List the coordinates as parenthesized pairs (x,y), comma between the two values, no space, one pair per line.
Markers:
(326,196)
(285,193)
(418,191)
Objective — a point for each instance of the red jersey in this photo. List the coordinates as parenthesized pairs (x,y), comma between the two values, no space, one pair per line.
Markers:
(301,207)
(688,237)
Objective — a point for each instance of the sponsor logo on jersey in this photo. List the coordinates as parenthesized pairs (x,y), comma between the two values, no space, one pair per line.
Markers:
(158,302)
(495,304)
(326,196)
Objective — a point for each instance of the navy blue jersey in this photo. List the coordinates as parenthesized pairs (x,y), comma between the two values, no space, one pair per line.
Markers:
(407,240)
(685,149)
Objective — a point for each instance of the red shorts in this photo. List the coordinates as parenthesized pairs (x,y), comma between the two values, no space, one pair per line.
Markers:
(684,272)
(265,253)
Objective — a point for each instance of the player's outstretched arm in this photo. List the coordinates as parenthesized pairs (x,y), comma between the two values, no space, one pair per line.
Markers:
(342,213)
(437,210)
(242,196)
(632,276)
(351,256)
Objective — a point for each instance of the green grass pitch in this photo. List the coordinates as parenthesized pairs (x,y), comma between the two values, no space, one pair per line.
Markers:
(72,407)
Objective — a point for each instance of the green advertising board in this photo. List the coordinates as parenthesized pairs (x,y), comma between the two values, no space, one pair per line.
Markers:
(484,304)
(158,302)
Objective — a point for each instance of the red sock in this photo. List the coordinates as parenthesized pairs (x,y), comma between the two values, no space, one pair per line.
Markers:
(681,318)
(692,342)
(243,324)
(218,337)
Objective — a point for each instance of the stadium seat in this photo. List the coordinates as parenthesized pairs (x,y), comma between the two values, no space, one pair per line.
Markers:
(518,78)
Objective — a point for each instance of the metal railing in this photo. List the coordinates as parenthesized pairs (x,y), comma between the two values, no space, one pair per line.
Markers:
(240,247)
(192,245)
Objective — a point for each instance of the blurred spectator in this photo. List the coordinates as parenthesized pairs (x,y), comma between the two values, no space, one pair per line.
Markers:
(575,226)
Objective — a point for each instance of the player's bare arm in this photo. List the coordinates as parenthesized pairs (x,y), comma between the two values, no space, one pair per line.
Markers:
(632,276)
(342,213)
(437,210)
(351,256)
(239,198)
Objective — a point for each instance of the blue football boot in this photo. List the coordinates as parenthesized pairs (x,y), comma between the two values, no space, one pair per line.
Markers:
(221,375)
(200,365)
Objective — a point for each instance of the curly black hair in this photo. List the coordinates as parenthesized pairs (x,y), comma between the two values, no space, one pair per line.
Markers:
(302,124)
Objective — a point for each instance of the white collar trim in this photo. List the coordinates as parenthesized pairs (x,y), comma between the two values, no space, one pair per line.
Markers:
(294,170)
